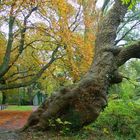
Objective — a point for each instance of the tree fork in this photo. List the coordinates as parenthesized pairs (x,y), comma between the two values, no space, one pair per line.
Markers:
(82,103)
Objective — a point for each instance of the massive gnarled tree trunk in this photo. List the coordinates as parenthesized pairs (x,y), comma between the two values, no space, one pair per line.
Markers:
(81,104)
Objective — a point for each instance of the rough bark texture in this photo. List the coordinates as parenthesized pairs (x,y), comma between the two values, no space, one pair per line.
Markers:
(82,103)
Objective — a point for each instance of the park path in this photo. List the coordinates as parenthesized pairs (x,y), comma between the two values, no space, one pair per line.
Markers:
(11,121)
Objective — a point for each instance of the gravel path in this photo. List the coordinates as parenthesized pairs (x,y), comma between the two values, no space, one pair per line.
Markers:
(8,135)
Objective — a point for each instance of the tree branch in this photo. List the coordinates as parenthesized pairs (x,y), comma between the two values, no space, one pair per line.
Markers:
(4,67)
(24,84)
(23,30)
(35,78)
(108,26)
(105,5)
(21,78)
(130,51)
(127,32)
(7,56)
(128,20)
(16,73)
(75,20)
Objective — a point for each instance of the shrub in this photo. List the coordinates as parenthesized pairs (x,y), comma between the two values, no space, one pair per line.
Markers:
(120,118)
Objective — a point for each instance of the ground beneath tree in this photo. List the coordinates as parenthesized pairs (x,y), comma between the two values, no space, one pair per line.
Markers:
(11,121)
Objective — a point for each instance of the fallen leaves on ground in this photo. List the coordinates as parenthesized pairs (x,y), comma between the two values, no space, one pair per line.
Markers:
(11,120)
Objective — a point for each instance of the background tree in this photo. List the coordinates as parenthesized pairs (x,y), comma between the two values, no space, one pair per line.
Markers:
(42,39)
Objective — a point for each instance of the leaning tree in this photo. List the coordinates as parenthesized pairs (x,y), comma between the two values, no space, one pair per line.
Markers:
(81,103)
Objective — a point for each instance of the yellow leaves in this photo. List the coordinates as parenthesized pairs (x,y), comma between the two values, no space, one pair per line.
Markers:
(26,2)
(59,121)
(79,51)
(105,130)
(62,6)
(52,29)
(9,2)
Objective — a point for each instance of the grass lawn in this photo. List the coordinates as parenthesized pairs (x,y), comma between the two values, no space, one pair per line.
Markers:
(19,108)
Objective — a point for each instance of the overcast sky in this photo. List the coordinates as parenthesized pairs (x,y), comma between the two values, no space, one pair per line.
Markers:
(100,3)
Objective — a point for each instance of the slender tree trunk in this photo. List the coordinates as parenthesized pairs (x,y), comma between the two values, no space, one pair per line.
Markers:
(30,94)
(81,104)
(4,97)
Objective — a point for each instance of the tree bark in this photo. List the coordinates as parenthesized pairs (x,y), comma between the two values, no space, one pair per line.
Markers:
(81,104)
(4,98)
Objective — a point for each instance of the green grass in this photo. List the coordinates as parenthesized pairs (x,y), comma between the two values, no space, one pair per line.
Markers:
(19,108)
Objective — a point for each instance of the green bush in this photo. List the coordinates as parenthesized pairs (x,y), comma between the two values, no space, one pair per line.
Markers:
(120,119)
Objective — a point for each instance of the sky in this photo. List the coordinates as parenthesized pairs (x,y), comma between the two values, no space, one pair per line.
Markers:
(100,3)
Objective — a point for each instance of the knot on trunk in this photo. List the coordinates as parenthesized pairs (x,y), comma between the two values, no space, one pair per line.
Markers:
(116,78)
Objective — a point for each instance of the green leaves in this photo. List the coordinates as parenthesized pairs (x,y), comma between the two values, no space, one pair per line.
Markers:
(132,2)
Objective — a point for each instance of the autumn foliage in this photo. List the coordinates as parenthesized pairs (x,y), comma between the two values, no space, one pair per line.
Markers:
(59,31)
